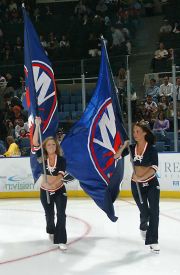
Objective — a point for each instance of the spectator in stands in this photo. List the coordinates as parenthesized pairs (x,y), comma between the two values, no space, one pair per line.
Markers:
(60,135)
(43,41)
(23,134)
(9,128)
(150,105)
(17,114)
(53,46)
(150,109)
(138,115)
(166,89)
(18,51)
(64,47)
(160,59)
(166,27)
(117,38)
(153,90)
(163,104)
(93,47)
(11,81)
(170,112)
(7,103)
(161,52)
(64,43)
(21,125)
(4,90)
(13,150)
(121,79)
(161,124)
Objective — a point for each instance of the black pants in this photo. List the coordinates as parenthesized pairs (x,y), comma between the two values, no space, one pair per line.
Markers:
(149,210)
(58,198)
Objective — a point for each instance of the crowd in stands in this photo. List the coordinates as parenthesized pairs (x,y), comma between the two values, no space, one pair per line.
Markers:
(77,32)
(157,108)
(169,39)
(14,131)
(73,31)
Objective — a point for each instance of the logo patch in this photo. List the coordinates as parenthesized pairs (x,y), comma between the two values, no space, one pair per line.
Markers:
(45,91)
(104,137)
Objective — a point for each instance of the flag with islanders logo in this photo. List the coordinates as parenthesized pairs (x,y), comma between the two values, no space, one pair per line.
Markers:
(40,87)
(91,143)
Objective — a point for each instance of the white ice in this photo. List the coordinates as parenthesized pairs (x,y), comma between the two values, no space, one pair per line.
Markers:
(96,245)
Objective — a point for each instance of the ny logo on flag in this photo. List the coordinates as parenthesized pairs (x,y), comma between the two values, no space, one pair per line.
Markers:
(104,136)
(45,91)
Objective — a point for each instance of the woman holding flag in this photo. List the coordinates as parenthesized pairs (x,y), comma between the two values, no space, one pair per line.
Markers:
(53,185)
(145,163)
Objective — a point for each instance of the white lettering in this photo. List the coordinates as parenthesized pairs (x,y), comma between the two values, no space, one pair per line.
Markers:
(107,123)
(42,82)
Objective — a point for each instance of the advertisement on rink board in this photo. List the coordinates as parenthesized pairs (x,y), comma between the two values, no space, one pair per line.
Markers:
(16,176)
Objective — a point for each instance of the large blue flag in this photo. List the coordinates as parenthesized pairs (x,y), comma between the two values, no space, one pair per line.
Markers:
(90,145)
(40,87)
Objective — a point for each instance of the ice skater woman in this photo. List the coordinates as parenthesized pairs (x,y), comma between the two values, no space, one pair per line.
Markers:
(145,161)
(52,183)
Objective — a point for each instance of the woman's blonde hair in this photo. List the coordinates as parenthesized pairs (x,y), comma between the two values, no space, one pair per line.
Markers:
(58,151)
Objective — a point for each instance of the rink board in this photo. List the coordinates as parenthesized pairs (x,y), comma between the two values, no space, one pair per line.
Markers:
(16,178)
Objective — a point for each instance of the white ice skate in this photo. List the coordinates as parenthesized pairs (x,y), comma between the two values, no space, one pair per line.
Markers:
(62,246)
(155,248)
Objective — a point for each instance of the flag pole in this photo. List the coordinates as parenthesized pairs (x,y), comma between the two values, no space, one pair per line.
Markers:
(130,124)
(119,106)
(39,130)
(43,163)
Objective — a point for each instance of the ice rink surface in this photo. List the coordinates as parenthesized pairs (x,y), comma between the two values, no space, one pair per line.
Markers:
(95,244)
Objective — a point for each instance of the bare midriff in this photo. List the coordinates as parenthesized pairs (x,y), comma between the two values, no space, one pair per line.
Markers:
(49,184)
(141,170)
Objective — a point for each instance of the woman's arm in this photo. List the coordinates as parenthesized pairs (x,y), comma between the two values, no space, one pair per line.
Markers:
(36,131)
(119,152)
(166,127)
(59,179)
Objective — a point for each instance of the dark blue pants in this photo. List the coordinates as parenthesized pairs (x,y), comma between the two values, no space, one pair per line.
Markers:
(58,198)
(149,210)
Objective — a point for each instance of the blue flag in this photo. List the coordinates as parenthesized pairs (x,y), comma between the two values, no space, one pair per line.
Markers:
(90,145)
(40,87)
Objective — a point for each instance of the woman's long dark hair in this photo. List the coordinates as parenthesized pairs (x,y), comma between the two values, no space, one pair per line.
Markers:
(149,137)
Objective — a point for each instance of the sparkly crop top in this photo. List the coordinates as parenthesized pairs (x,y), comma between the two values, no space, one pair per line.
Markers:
(149,156)
(59,165)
